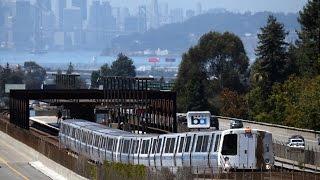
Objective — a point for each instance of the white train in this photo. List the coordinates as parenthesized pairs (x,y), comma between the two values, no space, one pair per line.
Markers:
(234,148)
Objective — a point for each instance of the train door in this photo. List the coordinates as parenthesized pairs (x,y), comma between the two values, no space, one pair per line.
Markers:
(179,151)
(186,155)
(159,149)
(144,153)
(169,150)
(199,155)
(213,152)
(124,156)
(247,148)
(153,151)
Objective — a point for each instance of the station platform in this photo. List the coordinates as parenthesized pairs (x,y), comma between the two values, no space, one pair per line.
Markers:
(46,121)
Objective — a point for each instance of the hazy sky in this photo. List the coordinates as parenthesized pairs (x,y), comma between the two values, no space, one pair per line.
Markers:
(233,5)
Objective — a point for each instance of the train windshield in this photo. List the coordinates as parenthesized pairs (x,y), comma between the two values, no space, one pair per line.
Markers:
(230,145)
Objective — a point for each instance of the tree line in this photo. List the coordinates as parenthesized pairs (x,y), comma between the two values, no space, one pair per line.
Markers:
(122,66)
(282,85)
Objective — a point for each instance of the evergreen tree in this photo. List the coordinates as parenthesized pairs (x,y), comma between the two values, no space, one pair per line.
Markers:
(94,79)
(70,69)
(272,52)
(309,39)
(105,70)
(123,66)
(272,66)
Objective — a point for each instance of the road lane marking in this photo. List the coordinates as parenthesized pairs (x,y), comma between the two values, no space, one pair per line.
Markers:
(13,169)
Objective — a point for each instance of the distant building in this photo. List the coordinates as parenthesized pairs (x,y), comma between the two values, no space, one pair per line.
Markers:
(60,5)
(23,25)
(101,25)
(154,14)
(72,19)
(131,24)
(190,13)
(82,4)
(198,8)
(176,15)
(142,19)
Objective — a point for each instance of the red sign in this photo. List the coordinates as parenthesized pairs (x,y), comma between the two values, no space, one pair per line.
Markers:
(154,59)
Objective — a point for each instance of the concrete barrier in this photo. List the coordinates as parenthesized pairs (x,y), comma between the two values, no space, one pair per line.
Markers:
(35,156)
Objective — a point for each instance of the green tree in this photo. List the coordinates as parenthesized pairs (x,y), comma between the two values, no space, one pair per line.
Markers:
(218,61)
(123,66)
(105,70)
(233,104)
(272,65)
(70,69)
(94,79)
(34,75)
(296,103)
(272,52)
(309,39)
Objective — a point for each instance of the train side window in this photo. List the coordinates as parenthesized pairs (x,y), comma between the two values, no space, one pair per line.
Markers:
(133,146)
(173,140)
(136,147)
(229,145)
(216,143)
(167,145)
(115,143)
(181,144)
(154,144)
(159,145)
(125,147)
(188,142)
(144,142)
(205,143)
(211,143)
(145,147)
(199,143)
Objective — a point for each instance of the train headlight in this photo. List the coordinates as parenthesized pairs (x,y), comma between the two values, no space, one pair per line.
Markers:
(268,166)
(267,161)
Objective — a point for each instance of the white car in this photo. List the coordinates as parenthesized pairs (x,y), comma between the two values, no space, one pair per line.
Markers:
(296,143)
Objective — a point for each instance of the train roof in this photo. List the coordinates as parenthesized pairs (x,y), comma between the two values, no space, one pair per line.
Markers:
(102,129)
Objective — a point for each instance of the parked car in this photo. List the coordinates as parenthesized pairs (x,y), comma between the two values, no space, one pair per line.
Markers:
(236,124)
(296,141)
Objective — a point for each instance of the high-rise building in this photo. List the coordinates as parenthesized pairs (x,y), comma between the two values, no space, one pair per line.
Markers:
(72,19)
(60,5)
(142,19)
(23,25)
(101,24)
(163,13)
(82,4)
(176,15)
(154,14)
(198,8)
(131,24)
(44,5)
(189,13)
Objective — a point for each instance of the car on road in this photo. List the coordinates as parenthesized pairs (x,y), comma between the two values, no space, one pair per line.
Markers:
(236,124)
(296,141)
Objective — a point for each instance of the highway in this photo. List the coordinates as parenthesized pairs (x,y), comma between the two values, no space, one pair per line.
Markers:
(15,164)
(280,135)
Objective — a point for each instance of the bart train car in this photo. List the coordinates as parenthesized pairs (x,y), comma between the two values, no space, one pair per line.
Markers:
(228,149)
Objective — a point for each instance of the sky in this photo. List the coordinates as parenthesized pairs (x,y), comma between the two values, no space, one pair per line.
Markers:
(232,5)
